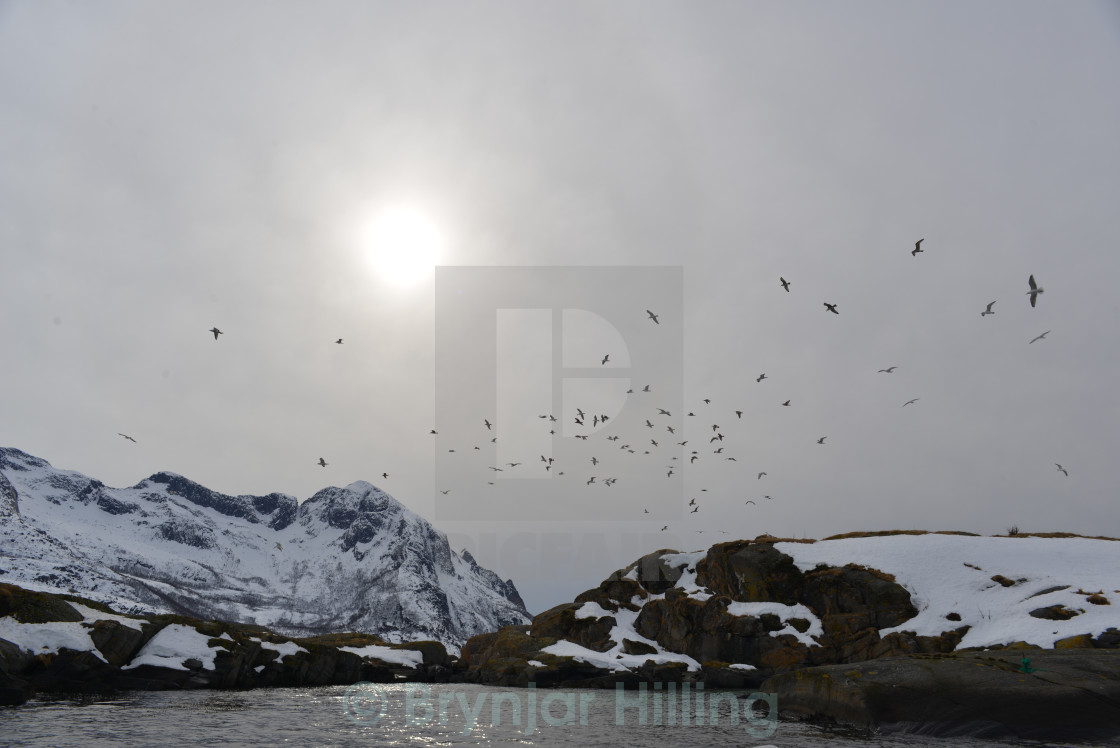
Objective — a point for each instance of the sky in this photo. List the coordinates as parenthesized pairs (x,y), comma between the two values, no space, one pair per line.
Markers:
(484,199)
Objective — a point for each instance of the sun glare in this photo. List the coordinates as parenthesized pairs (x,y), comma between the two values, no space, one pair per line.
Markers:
(403,244)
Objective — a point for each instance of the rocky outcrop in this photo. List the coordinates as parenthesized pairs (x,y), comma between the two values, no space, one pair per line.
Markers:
(1030,694)
(121,652)
(734,615)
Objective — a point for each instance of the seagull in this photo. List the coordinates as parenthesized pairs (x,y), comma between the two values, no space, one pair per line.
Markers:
(338,342)
(786,403)
(917,248)
(646,388)
(785,283)
(322,462)
(513,464)
(1064,471)
(821,440)
(653,317)
(694,511)
(988,310)
(580,413)
(433,431)
(1035,290)
(760,475)
(909,402)
(216,332)
(594,460)
(649,424)
(591,480)
(663,412)
(385,476)
(749,502)
(888,371)
(486,421)
(692,503)
(496,469)
(663,529)
(126,436)
(831,308)
(761,377)
(606,358)
(1043,335)
(446,492)
(278,546)
(739,413)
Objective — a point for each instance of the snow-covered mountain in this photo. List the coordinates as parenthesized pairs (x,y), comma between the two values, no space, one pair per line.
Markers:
(347,559)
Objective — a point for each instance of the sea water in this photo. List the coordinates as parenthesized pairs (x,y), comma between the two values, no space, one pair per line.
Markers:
(416,714)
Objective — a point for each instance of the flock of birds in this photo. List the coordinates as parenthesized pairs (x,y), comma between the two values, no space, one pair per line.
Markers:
(648,444)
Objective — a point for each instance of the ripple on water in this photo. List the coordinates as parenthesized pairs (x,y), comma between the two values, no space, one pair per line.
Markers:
(384,716)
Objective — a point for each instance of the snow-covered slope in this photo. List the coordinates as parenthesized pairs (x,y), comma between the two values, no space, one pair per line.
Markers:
(347,559)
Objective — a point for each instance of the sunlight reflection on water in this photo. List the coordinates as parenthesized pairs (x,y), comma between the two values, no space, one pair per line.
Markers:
(318,716)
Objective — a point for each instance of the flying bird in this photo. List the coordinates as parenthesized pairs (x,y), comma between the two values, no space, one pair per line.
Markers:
(988,310)
(278,546)
(653,317)
(831,308)
(646,388)
(749,502)
(606,358)
(739,414)
(760,475)
(216,332)
(663,529)
(487,422)
(910,402)
(126,436)
(821,440)
(1035,290)
(385,476)
(785,283)
(761,377)
(663,412)
(888,371)
(1064,471)
(917,248)
(322,462)
(338,342)
(1043,335)
(446,492)
(694,511)
(786,403)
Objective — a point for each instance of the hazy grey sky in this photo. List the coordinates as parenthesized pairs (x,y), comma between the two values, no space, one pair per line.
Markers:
(170,167)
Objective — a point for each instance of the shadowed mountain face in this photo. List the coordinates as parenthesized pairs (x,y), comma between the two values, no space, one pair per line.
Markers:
(347,559)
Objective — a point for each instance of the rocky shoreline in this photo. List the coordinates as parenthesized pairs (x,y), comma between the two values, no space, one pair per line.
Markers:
(833,649)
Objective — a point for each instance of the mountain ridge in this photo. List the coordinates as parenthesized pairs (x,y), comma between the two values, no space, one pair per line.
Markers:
(347,558)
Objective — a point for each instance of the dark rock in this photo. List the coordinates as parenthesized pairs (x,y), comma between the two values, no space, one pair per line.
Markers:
(116,642)
(654,574)
(35,607)
(974,694)
(1054,613)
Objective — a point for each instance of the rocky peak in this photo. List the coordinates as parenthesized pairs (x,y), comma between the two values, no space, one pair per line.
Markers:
(277,510)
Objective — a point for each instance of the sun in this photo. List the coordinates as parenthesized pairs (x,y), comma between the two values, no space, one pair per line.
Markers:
(403,245)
